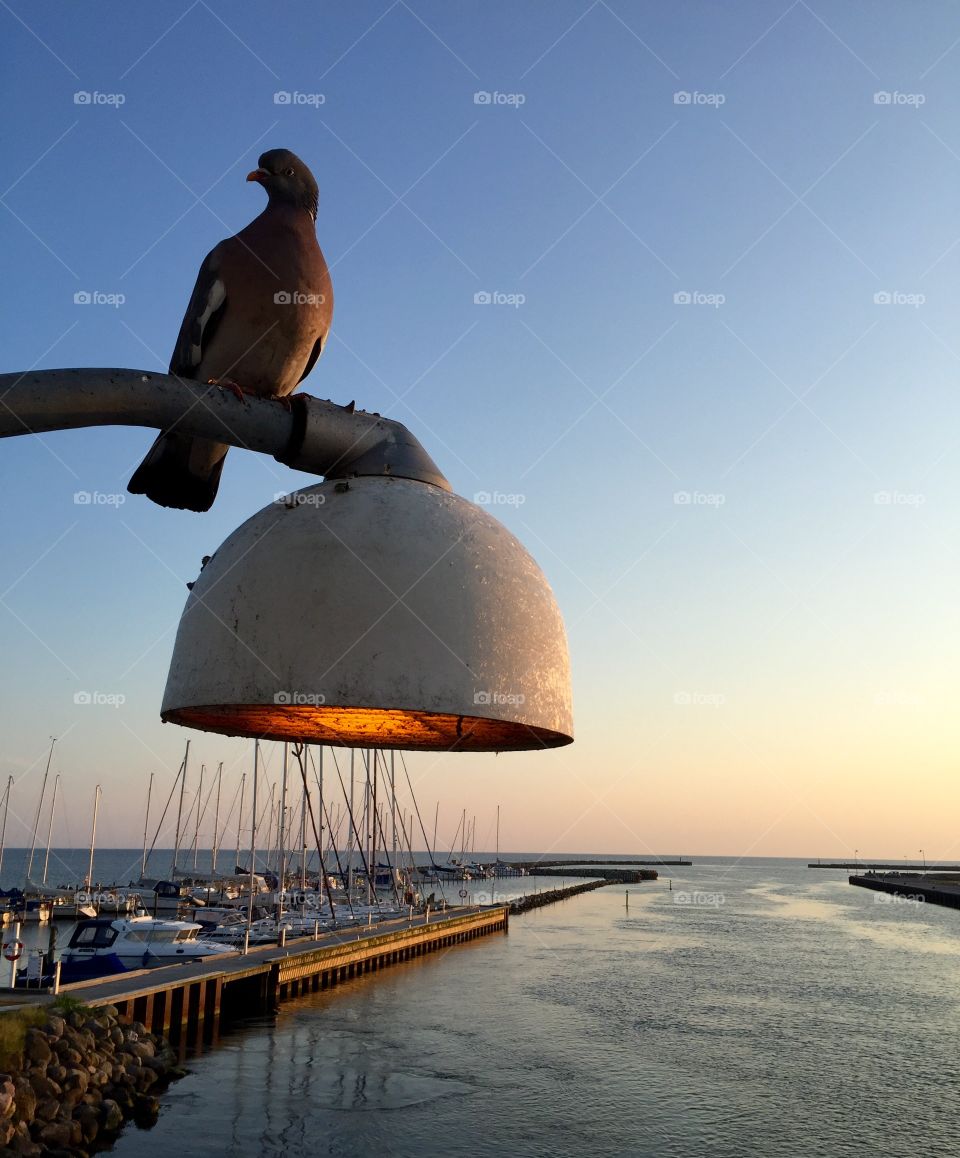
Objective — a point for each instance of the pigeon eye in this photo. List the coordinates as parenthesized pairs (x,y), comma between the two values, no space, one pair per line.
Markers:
(288,172)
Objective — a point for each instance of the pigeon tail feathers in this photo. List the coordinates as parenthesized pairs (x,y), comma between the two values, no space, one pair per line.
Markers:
(180,472)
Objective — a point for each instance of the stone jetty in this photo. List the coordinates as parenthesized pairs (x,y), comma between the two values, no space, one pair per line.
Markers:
(82,1074)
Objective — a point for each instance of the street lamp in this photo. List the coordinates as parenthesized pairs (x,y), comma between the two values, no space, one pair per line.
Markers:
(374,609)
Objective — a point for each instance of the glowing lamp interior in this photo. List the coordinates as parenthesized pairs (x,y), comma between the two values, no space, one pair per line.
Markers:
(369,728)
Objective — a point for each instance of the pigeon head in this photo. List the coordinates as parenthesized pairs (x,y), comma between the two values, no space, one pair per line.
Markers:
(287,180)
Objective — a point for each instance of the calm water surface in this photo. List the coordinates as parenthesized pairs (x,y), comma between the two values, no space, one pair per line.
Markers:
(757,1009)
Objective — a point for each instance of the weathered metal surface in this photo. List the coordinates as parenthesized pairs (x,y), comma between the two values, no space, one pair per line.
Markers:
(306,433)
(379,612)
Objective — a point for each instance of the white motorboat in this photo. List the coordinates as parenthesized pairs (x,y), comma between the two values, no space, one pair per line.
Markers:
(104,946)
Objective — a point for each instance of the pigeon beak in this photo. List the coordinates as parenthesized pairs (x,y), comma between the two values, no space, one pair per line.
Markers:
(258,175)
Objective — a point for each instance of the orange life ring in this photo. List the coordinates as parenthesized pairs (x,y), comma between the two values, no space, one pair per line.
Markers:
(12,950)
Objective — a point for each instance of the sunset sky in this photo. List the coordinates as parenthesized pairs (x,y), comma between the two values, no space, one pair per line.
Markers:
(717,383)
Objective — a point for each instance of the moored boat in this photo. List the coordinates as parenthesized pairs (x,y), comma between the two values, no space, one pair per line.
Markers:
(104,946)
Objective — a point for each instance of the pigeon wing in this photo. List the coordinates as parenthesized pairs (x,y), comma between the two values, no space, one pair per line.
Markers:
(205,312)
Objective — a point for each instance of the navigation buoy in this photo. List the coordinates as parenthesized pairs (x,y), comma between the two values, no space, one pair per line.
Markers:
(12,950)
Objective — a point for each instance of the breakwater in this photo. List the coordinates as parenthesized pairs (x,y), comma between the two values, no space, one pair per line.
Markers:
(576,862)
(912,888)
(622,876)
(551,896)
(863,866)
(76,1076)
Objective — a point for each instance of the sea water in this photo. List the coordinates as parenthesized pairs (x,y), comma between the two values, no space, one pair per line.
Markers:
(754,1008)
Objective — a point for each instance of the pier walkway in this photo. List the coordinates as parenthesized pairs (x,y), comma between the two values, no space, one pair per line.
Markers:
(180,1000)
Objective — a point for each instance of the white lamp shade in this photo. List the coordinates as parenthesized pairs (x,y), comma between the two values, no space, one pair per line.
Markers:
(374,612)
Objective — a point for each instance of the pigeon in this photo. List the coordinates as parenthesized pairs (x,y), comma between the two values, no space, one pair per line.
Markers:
(256,323)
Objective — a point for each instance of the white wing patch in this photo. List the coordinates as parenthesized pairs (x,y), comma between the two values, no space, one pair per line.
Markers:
(215,299)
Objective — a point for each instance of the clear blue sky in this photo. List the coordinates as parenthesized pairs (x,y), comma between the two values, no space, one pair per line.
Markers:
(811,627)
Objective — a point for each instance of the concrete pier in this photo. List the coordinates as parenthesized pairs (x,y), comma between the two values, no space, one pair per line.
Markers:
(184,1001)
(912,888)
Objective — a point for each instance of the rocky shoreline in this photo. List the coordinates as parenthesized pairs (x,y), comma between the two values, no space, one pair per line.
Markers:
(83,1074)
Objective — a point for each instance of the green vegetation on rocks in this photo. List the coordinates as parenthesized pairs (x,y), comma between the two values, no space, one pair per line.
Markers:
(71,1076)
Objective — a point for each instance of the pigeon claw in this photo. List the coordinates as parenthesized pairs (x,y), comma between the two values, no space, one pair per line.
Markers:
(228,384)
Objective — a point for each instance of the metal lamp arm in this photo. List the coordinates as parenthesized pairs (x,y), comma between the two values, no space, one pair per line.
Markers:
(302,432)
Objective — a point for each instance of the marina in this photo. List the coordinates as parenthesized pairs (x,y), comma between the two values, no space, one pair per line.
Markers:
(186,1002)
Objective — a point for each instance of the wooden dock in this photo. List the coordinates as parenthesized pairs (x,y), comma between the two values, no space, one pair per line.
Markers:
(184,1001)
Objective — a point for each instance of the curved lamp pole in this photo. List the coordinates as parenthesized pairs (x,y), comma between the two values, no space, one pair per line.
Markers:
(305,433)
(374,609)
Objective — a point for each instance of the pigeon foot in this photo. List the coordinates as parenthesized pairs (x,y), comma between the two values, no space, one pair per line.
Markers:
(229,384)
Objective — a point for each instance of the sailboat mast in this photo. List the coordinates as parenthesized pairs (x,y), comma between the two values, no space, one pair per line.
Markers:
(393,807)
(322,812)
(350,833)
(146,825)
(243,788)
(282,841)
(53,805)
(6,809)
(253,833)
(93,838)
(303,830)
(183,784)
(373,831)
(216,821)
(196,831)
(36,822)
